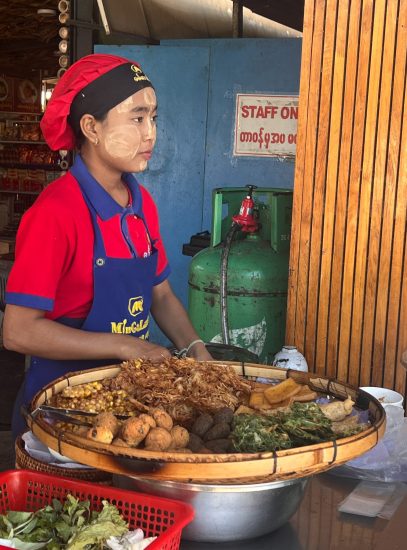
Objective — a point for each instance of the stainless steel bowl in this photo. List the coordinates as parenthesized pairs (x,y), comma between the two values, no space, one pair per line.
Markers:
(227,512)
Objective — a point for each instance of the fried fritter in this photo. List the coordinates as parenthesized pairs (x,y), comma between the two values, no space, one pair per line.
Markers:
(181,386)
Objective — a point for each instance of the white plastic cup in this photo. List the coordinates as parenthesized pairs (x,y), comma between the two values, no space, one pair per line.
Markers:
(385,396)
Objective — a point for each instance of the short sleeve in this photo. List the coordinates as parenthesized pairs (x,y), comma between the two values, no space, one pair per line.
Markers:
(42,251)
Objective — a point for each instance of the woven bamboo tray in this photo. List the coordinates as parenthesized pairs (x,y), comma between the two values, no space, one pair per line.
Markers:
(25,461)
(219,468)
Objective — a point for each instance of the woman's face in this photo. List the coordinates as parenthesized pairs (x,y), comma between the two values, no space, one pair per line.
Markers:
(128,133)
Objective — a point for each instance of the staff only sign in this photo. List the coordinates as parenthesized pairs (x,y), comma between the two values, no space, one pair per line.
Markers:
(265,125)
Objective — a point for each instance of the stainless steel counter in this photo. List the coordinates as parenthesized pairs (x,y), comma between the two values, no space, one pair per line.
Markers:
(318,525)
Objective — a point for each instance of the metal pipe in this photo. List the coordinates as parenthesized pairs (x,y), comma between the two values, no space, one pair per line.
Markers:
(237,19)
(102,13)
(223,281)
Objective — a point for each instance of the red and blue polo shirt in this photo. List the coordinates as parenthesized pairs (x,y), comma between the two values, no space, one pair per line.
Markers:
(53,269)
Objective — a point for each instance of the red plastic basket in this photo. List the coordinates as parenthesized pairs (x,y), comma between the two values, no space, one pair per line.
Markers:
(164,518)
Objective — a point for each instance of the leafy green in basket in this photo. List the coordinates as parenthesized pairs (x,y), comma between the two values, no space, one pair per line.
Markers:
(69,526)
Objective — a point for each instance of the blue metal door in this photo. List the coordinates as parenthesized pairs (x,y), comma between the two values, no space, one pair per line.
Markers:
(196,82)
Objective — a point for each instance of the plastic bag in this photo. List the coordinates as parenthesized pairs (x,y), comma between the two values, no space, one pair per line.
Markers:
(387,461)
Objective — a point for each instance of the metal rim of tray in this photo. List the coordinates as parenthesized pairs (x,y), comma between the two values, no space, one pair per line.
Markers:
(233,468)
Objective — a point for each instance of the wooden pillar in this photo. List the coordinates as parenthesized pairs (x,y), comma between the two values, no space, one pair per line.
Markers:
(347,302)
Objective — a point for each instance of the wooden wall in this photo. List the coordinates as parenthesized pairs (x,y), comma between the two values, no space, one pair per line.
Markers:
(347,303)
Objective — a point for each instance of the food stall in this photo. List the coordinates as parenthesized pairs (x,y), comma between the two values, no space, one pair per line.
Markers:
(240,453)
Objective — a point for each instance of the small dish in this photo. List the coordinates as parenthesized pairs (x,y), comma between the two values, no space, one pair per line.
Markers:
(384,395)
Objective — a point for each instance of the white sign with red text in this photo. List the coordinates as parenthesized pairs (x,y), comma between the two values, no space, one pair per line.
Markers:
(265,125)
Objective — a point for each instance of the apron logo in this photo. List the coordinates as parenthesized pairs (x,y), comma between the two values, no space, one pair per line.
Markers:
(135,327)
(135,306)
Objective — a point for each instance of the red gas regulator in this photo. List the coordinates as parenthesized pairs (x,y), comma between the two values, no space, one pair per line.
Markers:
(245,218)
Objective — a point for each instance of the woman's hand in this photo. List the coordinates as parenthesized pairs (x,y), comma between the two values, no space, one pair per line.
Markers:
(53,340)
(200,353)
(135,348)
(173,320)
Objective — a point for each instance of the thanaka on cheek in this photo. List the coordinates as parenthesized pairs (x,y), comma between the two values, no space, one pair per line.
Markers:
(123,142)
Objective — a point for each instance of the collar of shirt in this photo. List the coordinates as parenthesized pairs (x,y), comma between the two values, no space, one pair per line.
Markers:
(105,206)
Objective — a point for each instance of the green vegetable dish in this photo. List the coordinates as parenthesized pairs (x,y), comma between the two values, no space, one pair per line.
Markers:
(303,424)
(71,526)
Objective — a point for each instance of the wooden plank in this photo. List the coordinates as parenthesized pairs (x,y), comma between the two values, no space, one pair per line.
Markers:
(342,203)
(312,339)
(348,294)
(400,382)
(382,220)
(374,195)
(331,182)
(351,238)
(396,341)
(309,169)
(365,195)
(306,58)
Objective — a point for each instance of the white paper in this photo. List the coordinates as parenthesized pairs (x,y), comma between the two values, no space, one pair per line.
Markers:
(368,498)
(40,452)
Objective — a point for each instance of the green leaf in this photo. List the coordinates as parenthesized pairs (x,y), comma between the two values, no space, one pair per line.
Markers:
(21,545)
(17,518)
(63,530)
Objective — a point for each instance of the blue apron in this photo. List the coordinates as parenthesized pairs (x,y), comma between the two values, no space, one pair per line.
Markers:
(122,295)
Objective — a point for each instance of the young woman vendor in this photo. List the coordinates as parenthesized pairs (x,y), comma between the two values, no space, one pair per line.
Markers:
(90,263)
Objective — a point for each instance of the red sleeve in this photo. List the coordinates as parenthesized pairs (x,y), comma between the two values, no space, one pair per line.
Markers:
(42,252)
(150,213)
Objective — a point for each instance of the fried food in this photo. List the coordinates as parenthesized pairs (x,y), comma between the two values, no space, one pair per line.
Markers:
(134,430)
(282,391)
(147,418)
(119,442)
(304,395)
(161,418)
(218,431)
(101,434)
(257,399)
(109,421)
(195,443)
(180,386)
(225,414)
(158,439)
(337,410)
(202,424)
(180,437)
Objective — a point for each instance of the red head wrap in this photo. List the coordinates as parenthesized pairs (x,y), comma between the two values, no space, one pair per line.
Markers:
(54,124)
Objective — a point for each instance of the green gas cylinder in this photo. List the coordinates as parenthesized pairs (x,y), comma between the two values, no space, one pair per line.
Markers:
(257,274)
